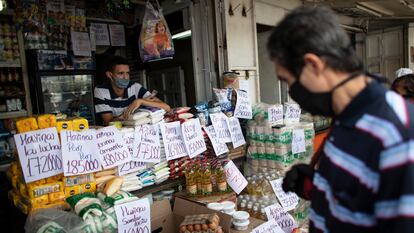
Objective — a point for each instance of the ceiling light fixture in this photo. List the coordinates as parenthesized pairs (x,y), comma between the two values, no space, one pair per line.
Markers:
(182,35)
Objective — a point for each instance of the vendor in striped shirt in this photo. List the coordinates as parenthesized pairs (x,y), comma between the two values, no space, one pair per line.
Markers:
(119,97)
(362,181)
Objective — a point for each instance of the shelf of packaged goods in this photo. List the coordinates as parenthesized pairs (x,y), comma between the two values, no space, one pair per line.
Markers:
(10,65)
(66,92)
(15,114)
(159,187)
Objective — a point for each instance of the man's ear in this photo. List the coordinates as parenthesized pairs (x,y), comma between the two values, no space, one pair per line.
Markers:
(314,62)
(109,75)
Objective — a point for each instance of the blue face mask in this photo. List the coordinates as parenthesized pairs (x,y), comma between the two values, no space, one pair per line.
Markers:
(121,82)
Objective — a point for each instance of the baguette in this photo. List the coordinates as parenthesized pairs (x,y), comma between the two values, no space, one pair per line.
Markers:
(113,186)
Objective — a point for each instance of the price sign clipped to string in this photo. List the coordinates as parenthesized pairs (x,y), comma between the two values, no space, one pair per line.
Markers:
(134,216)
(283,219)
(218,146)
(147,147)
(219,122)
(39,154)
(236,132)
(234,177)
(193,137)
(173,140)
(275,115)
(79,152)
(292,113)
(268,227)
(243,106)
(298,141)
(131,166)
(289,200)
(111,147)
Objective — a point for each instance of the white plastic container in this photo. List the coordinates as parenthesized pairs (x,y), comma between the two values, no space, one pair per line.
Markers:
(241,216)
(215,206)
(241,226)
(228,206)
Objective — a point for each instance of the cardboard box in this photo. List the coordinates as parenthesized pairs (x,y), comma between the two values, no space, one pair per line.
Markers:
(204,200)
(163,220)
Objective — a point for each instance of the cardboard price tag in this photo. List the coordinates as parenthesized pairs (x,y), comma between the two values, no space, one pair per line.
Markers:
(39,154)
(173,140)
(131,166)
(193,137)
(218,146)
(111,147)
(147,146)
(292,113)
(289,200)
(298,141)
(219,122)
(243,106)
(275,115)
(236,133)
(134,217)
(79,152)
(283,219)
(268,227)
(234,177)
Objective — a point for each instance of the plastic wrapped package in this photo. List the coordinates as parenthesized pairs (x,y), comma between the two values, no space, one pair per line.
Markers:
(51,220)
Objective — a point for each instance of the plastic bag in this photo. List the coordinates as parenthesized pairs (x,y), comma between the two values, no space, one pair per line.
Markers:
(155,40)
(51,220)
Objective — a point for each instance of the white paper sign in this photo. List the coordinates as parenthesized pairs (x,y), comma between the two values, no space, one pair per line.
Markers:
(234,177)
(131,166)
(289,200)
(218,146)
(283,219)
(292,113)
(134,217)
(111,147)
(173,140)
(147,146)
(193,137)
(101,33)
(81,44)
(79,152)
(244,85)
(92,37)
(236,133)
(219,121)
(243,106)
(268,227)
(39,154)
(117,33)
(275,115)
(298,141)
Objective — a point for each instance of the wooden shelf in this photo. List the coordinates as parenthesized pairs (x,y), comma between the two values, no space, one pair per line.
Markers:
(15,114)
(156,188)
(10,65)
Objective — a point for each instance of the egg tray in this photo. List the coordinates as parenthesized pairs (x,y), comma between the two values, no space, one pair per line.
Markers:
(197,219)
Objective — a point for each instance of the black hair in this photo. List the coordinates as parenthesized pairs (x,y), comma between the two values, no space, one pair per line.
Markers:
(114,61)
(406,82)
(312,30)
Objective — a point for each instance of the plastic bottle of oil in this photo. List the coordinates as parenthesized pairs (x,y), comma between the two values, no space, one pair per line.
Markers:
(198,178)
(190,180)
(221,180)
(207,184)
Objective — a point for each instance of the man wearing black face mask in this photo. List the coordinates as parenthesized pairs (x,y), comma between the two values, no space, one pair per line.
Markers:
(363,179)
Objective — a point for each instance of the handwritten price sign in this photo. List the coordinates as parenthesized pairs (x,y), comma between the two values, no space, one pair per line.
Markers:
(292,113)
(147,146)
(218,146)
(283,219)
(275,115)
(268,227)
(236,132)
(193,137)
(234,177)
(134,217)
(298,141)
(219,121)
(111,147)
(289,200)
(79,152)
(173,140)
(39,154)
(131,166)
(243,106)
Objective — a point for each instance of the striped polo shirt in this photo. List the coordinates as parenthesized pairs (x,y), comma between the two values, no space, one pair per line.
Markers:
(365,179)
(106,101)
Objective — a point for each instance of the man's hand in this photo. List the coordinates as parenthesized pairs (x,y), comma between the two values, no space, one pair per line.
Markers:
(299,180)
(132,107)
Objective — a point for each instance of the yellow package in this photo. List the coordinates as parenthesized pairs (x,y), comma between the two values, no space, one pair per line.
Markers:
(37,201)
(43,189)
(26,125)
(22,188)
(78,180)
(54,178)
(72,191)
(46,121)
(14,169)
(80,124)
(14,181)
(55,197)
(88,187)
(36,183)
(64,125)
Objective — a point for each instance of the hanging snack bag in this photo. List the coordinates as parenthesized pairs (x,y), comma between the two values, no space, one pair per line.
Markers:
(155,40)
